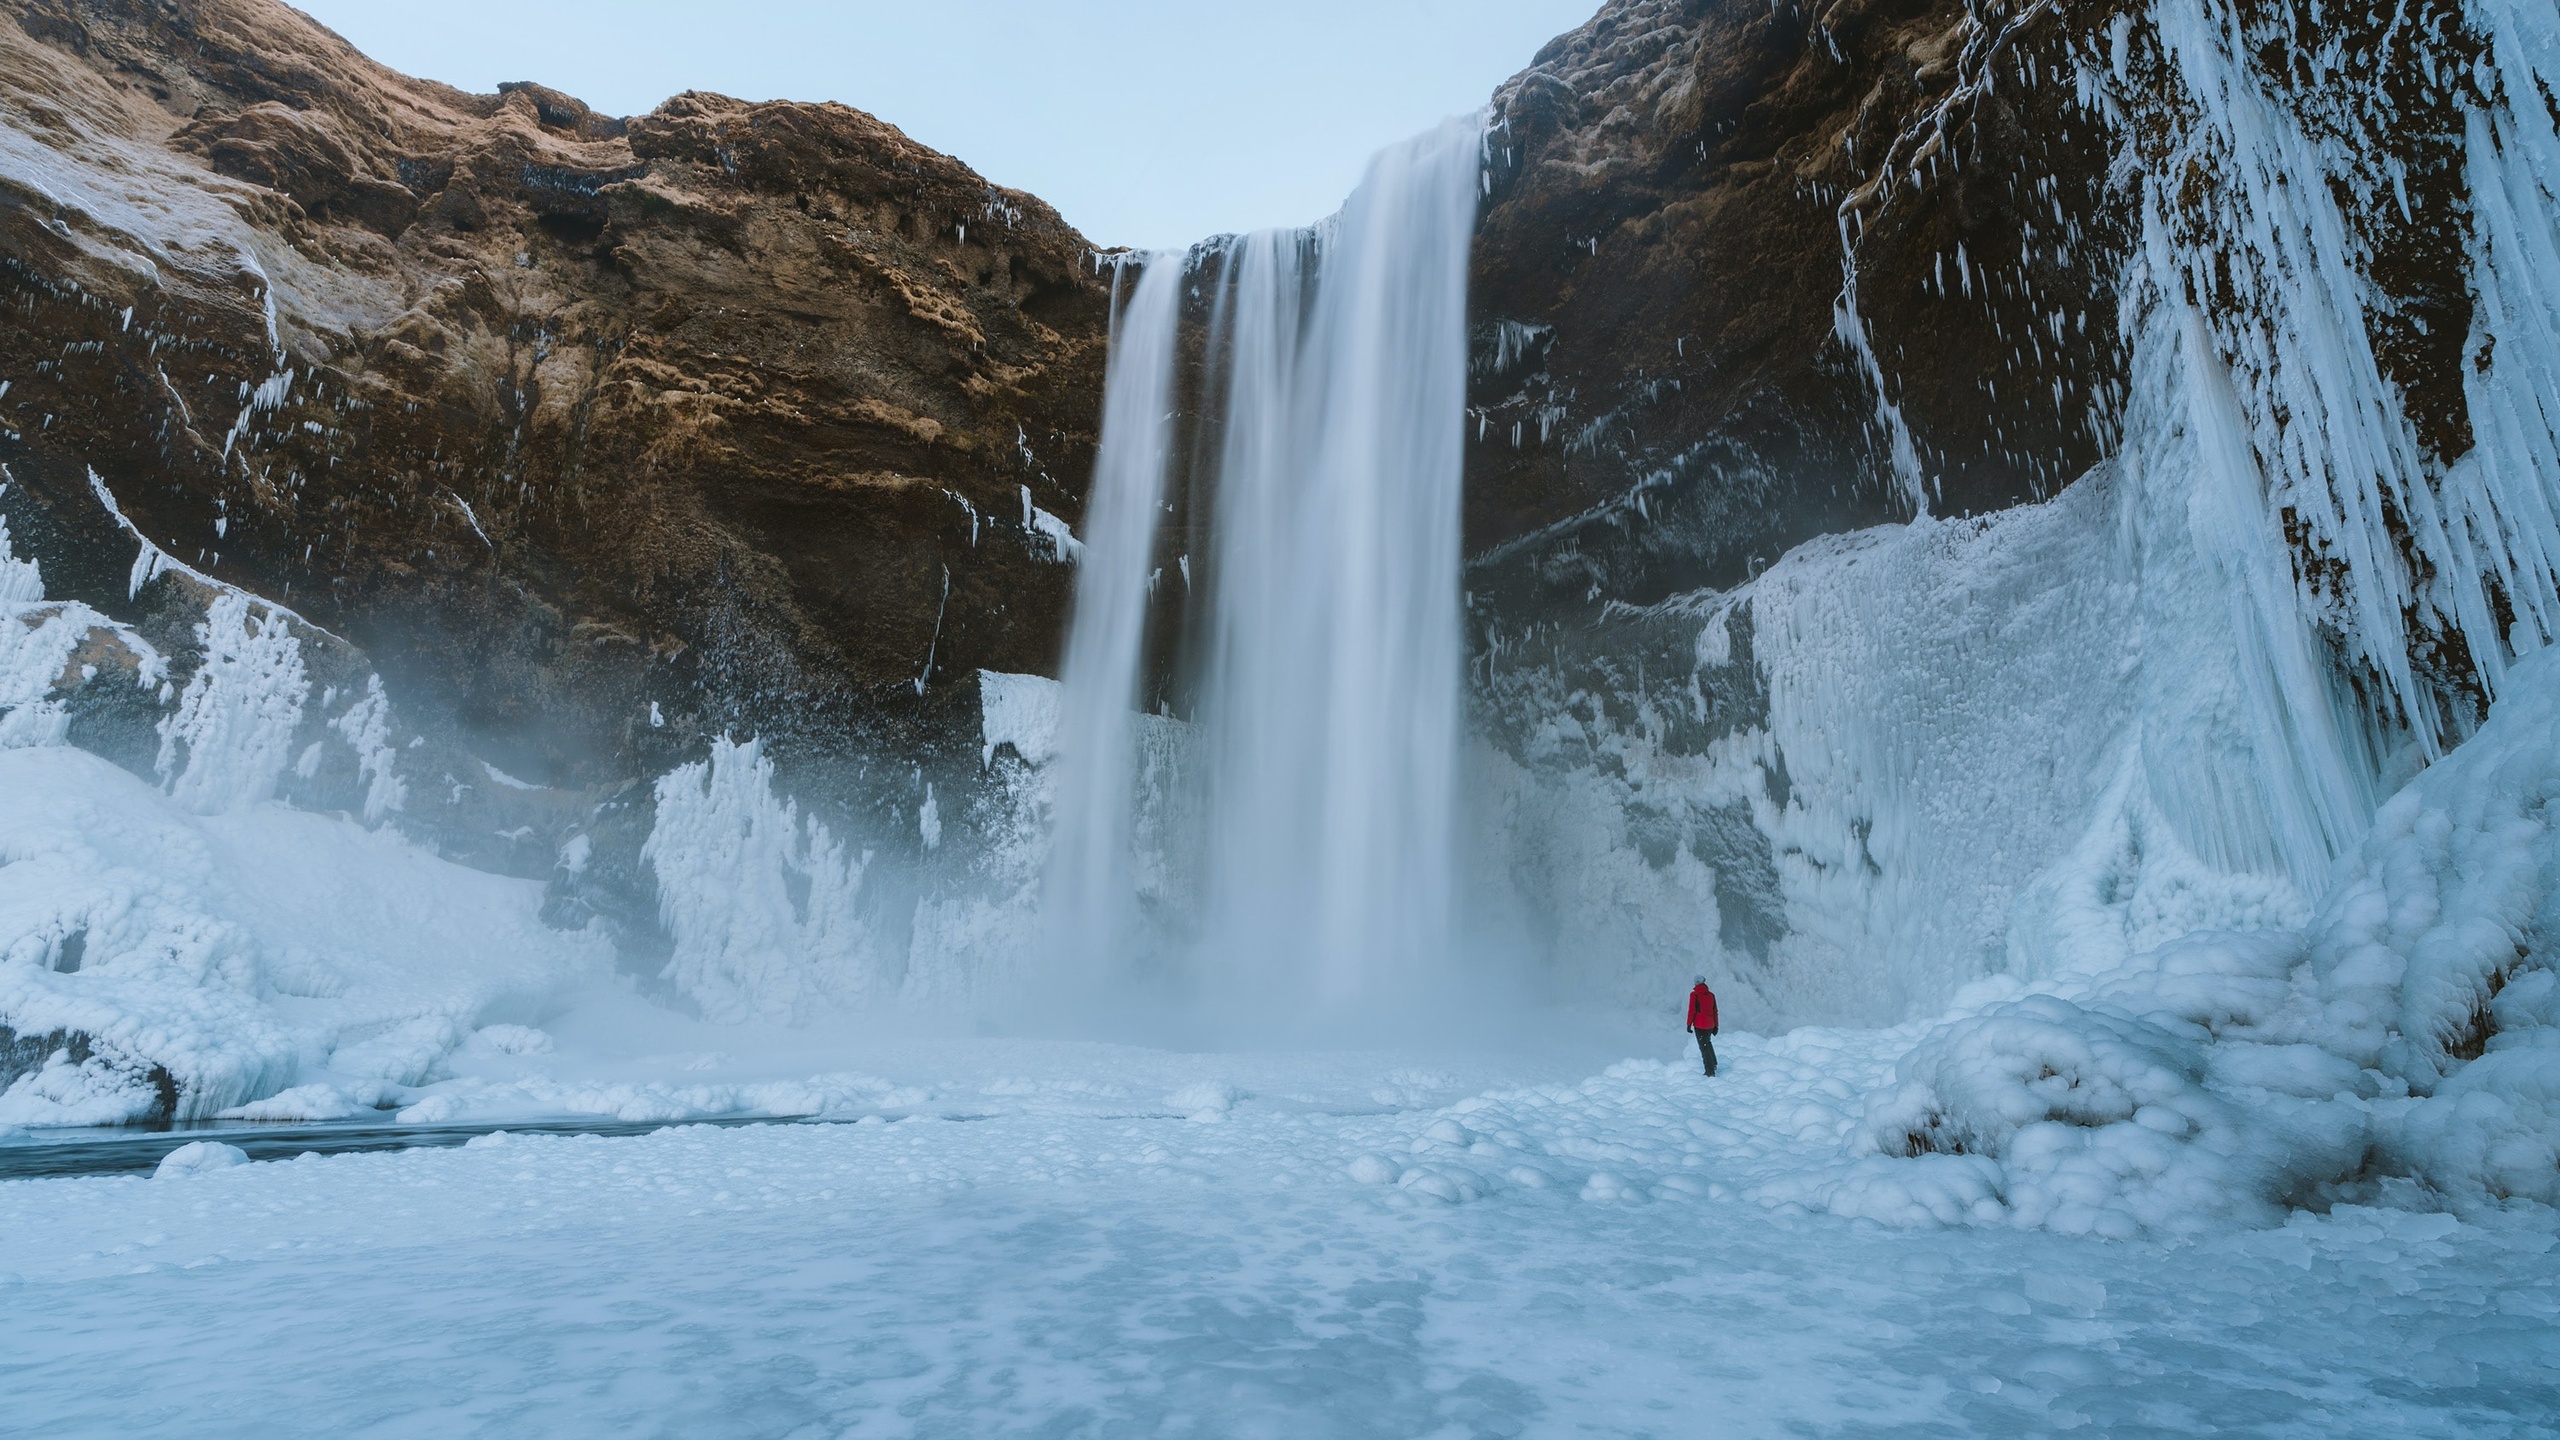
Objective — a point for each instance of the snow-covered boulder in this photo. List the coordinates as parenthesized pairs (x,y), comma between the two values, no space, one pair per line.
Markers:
(2436,955)
(197,1158)
(2103,1123)
(158,962)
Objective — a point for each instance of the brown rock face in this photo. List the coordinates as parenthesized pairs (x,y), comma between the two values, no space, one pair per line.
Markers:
(1749,274)
(1668,391)
(731,415)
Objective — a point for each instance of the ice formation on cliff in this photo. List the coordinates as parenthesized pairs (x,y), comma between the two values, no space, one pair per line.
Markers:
(2083,728)
(182,950)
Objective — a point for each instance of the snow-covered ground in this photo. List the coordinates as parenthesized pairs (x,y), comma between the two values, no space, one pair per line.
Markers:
(1128,1242)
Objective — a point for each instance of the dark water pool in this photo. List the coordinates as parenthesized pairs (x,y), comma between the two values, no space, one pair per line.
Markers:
(119,1151)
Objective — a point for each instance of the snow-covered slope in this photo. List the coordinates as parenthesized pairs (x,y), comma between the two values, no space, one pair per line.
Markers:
(180,964)
(173,950)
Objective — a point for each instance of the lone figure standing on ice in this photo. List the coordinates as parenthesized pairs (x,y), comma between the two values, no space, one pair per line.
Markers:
(1702,1021)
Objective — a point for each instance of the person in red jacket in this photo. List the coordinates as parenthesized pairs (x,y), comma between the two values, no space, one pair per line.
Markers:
(1702,1021)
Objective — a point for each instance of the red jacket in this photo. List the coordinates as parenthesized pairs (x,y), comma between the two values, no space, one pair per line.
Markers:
(1702,1008)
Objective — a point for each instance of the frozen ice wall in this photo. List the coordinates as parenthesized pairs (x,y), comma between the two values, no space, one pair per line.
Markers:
(1924,713)
(2401,1044)
(174,942)
(759,901)
(2167,700)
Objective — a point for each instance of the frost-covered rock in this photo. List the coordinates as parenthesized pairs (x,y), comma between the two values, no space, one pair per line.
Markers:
(2491,1133)
(197,1158)
(2455,897)
(231,737)
(2100,1123)
(2439,954)
(221,959)
(74,1084)
(759,899)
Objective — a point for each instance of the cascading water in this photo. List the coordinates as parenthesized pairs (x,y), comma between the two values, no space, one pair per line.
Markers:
(1332,701)
(1089,905)
(1329,708)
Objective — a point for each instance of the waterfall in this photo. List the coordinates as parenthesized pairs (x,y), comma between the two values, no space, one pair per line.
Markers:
(1089,909)
(1332,698)
(1330,656)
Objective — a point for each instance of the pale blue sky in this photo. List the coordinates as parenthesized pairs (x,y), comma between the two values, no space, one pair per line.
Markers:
(1146,122)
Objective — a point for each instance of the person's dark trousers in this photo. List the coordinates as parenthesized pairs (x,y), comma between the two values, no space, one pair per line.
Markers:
(1707,1049)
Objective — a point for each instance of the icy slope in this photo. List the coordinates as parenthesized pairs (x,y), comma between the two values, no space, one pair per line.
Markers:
(172,962)
(178,949)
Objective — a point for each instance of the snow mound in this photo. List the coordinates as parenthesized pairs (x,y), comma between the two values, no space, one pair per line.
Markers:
(2100,1123)
(198,1157)
(178,964)
(309,1103)
(2435,954)
(1207,1100)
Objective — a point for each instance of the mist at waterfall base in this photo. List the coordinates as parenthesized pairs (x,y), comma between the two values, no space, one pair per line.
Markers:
(1302,393)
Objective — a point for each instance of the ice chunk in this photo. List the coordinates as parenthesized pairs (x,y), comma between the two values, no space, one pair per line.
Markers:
(1208,1099)
(1018,710)
(198,1157)
(512,1039)
(302,1102)
(1373,1170)
(1449,1132)
(2099,1123)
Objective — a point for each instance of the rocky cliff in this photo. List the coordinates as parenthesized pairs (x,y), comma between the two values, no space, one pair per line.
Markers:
(2207,346)
(1755,273)
(594,438)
